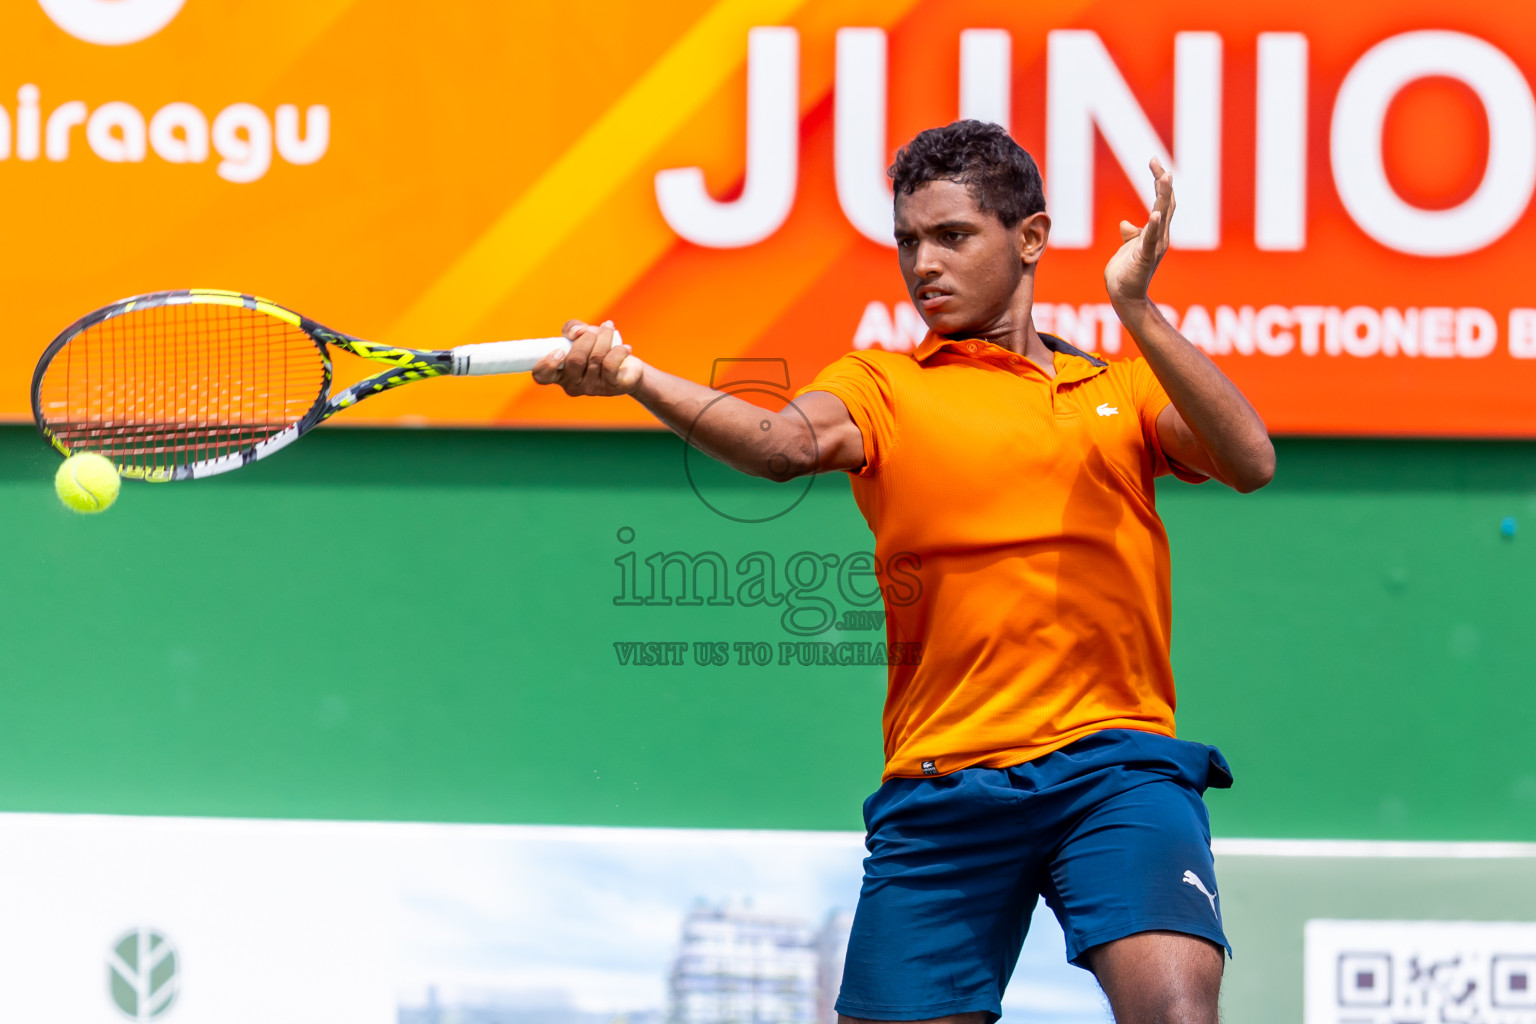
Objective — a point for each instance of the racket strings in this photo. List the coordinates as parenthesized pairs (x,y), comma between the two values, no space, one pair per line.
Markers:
(177,384)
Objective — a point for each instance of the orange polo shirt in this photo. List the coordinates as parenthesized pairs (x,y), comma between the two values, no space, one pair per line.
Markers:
(1024,506)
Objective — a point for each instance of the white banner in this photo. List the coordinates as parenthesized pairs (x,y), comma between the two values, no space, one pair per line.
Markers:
(194,921)
(209,921)
(1420,972)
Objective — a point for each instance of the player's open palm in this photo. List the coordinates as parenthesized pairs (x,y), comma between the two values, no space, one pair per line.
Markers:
(599,363)
(1129,273)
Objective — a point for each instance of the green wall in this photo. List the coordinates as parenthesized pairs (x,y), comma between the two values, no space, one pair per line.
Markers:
(420,625)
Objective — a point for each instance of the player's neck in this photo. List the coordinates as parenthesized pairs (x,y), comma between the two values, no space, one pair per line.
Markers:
(1014,330)
(1022,337)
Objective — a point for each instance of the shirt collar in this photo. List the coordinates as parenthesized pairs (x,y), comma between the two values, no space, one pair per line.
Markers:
(1083,366)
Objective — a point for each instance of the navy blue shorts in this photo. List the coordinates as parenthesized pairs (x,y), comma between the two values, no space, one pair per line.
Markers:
(1111,830)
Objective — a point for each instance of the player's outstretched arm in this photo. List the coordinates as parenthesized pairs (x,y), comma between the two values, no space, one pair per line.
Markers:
(817,436)
(1209,427)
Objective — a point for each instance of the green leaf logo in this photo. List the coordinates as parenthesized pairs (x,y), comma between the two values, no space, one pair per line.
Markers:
(142,974)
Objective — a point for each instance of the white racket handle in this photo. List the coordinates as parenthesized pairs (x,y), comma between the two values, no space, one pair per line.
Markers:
(505,356)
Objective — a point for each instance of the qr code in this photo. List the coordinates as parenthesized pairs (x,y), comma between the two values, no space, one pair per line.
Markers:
(1420,972)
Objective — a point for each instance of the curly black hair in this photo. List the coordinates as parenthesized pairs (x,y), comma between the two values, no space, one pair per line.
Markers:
(998,173)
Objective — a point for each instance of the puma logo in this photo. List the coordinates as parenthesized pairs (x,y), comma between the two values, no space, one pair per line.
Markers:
(1190,878)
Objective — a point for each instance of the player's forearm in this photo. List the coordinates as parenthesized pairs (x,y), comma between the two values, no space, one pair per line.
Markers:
(731,430)
(1221,418)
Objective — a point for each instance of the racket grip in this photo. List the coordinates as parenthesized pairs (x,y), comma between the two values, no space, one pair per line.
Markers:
(504,356)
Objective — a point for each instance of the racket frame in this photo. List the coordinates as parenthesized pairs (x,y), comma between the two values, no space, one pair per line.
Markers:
(406,366)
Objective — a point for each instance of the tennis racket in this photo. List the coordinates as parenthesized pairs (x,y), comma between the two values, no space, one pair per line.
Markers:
(187,384)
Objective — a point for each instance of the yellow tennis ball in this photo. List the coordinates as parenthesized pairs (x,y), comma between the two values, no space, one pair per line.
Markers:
(87,482)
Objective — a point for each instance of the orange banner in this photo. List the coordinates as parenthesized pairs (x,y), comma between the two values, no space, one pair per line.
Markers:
(1352,242)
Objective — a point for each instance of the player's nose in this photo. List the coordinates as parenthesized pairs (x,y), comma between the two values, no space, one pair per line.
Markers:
(925,262)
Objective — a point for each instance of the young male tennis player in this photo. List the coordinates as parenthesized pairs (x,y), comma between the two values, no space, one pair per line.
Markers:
(1031,751)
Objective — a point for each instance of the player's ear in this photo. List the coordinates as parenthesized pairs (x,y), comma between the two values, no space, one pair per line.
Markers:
(1033,231)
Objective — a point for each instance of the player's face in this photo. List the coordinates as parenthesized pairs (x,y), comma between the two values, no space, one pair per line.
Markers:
(961,265)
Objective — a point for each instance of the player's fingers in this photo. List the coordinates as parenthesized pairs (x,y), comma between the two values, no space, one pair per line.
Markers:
(592,376)
(1128,231)
(619,370)
(1163,186)
(613,359)
(547,370)
(572,331)
(1165,229)
(1150,239)
(577,359)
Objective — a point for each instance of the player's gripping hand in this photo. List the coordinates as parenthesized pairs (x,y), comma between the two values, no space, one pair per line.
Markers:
(599,363)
